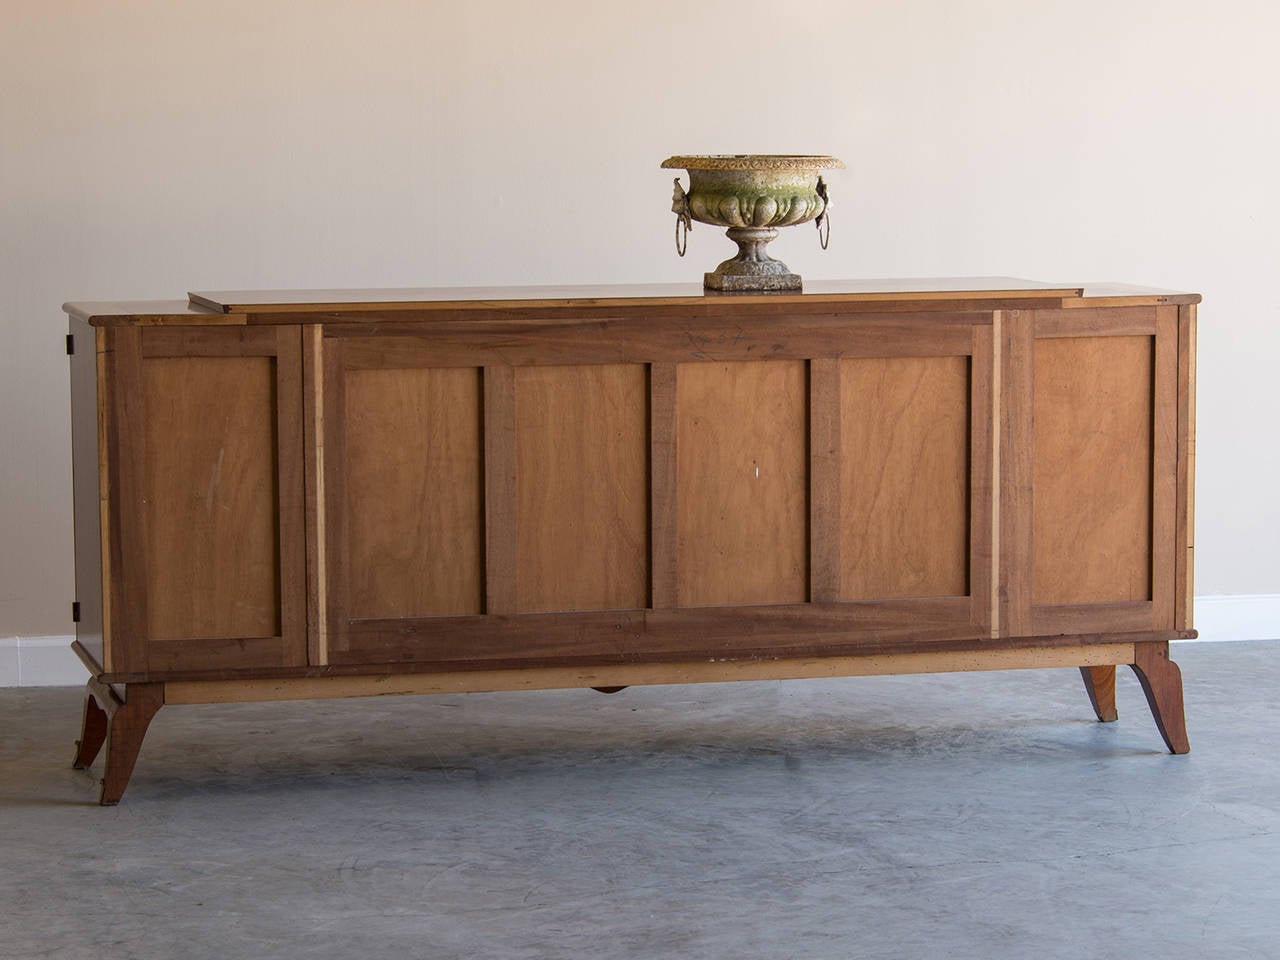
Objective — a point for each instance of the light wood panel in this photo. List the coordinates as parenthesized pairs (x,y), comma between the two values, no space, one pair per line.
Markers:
(904,477)
(210,518)
(1092,469)
(551,678)
(742,474)
(582,484)
(413,492)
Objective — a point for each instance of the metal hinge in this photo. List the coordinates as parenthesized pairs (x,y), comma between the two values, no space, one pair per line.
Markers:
(71,344)
(75,611)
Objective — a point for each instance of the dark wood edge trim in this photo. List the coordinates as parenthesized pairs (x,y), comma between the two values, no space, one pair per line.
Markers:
(393,314)
(87,658)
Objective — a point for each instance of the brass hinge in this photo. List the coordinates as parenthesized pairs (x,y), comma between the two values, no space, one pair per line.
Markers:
(71,344)
(75,611)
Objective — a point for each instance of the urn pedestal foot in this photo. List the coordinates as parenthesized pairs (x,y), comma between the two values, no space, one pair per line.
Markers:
(752,268)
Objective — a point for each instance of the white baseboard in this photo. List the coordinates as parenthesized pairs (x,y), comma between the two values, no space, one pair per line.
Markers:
(49,662)
(40,662)
(1250,617)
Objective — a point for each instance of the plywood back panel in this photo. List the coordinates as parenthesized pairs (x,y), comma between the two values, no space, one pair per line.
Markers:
(582,484)
(742,477)
(413,492)
(904,477)
(210,514)
(1092,470)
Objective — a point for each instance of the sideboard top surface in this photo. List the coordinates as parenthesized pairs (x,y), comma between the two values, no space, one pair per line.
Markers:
(258,306)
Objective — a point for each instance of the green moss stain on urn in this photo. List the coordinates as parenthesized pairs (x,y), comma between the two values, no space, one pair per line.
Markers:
(752,195)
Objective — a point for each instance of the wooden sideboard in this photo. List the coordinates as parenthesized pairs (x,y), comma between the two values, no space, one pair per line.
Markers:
(309,494)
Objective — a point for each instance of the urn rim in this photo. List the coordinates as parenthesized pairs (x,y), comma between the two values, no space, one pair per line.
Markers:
(752,161)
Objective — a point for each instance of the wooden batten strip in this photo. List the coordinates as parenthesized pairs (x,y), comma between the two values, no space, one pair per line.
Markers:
(662,486)
(1164,469)
(500,488)
(983,511)
(1016,470)
(313,469)
(824,480)
(1184,535)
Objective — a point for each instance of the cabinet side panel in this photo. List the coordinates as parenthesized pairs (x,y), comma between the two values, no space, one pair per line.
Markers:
(742,477)
(413,492)
(210,503)
(85,494)
(582,485)
(904,477)
(1092,470)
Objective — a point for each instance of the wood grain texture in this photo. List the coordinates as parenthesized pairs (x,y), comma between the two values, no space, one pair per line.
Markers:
(582,487)
(644,336)
(500,489)
(684,294)
(1100,686)
(126,730)
(1092,512)
(1161,681)
(1016,445)
(663,502)
(413,492)
(1184,535)
(691,632)
(983,517)
(1164,470)
(106,452)
(314,482)
(1096,321)
(209,497)
(825,446)
(904,478)
(742,472)
(127,593)
(639,674)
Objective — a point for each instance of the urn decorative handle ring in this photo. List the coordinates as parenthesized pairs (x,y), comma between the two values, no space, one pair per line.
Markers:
(752,195)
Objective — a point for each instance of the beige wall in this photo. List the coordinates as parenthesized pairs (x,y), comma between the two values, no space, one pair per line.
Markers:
(151,147)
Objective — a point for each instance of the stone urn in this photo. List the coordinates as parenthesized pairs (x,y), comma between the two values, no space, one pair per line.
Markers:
(752,195)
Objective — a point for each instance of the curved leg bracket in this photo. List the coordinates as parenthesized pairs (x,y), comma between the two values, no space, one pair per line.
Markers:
(1100,685)
(1162,683)
(120,725)
(93,730)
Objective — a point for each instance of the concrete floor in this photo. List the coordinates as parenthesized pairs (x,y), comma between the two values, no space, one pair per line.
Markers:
(956,816)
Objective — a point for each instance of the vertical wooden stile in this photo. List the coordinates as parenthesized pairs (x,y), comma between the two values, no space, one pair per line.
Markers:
(290,493)
(314,431)
(126,455)
(1164,470)
(101,347)
(1016,419)
(983,516)
(662,486)
(824,480)
(1184,536)
(500,489)
(332,422)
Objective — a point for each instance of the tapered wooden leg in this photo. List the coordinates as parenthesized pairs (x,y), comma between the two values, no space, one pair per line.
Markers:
(1100,685)
(124,737)
(1162,683)
(93,731)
